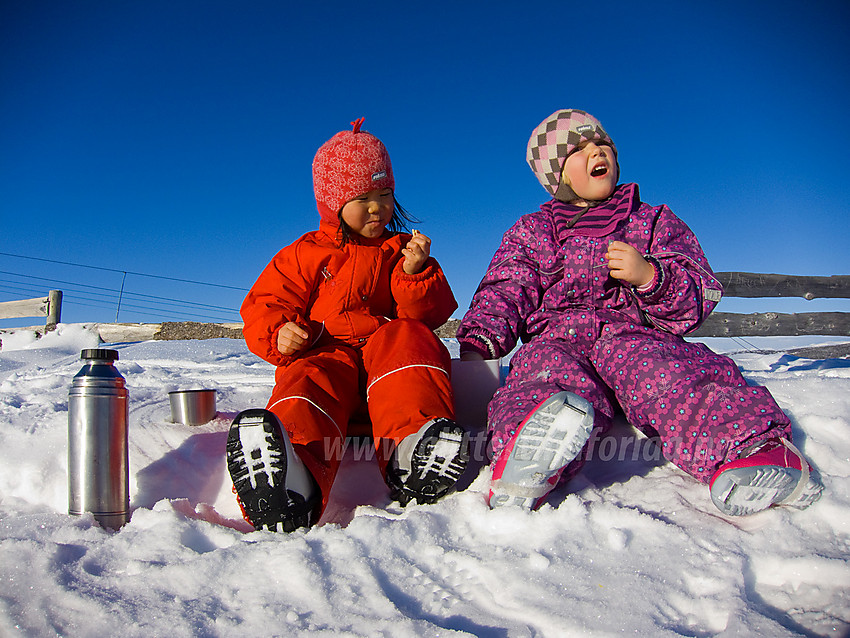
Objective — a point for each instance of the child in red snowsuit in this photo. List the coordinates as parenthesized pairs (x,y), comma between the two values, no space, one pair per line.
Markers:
(347,314)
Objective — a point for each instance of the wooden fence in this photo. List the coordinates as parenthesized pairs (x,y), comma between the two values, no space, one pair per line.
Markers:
(49,306)
(751,285)
(718,324)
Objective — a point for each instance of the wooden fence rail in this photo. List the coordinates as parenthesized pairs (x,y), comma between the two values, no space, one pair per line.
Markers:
(748,284)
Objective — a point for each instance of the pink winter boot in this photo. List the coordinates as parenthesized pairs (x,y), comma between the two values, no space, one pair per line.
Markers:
(772,473)
(543,445)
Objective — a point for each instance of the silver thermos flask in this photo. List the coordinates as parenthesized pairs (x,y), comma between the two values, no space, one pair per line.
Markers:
(98,477)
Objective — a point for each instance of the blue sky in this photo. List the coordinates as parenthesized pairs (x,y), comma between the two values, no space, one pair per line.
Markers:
(175,139)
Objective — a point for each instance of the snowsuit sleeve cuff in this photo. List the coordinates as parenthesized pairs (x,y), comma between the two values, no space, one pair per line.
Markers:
(479,344)
(428,270)
(654,287)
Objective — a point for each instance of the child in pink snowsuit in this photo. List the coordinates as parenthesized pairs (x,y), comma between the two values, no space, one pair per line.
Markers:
(600,288)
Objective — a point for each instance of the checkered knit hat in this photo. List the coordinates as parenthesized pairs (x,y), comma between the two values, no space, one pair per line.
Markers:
(556,137)
(349,164)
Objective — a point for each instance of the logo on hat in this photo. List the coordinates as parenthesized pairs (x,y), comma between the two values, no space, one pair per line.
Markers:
(583,128)
(378,175)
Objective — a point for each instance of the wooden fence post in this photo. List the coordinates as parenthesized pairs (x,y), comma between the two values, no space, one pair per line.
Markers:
(54,308)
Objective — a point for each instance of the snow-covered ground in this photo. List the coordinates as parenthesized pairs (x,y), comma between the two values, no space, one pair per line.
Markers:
(632,546)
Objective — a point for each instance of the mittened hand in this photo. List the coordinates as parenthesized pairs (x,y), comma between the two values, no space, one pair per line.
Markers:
(627,264)
(292,338)
(416,253)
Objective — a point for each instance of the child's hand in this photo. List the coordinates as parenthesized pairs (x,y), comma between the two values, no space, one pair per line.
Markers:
(626,263)
(416,253)
(292,338)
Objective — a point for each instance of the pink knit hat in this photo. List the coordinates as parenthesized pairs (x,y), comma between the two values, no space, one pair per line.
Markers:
(348,165)
(554,139)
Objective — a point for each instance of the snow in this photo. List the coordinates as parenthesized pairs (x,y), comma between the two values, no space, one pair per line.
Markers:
(632,545)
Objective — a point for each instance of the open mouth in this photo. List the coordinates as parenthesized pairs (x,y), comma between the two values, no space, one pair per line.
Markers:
(599,170)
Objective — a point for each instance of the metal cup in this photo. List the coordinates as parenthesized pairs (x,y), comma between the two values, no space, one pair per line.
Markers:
(192,407)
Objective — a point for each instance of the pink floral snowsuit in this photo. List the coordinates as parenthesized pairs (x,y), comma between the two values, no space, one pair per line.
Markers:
(588,333)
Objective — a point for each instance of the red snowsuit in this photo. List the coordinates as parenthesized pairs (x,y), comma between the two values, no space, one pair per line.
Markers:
(372,343)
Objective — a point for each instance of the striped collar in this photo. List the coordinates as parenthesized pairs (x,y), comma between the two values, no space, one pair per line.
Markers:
(596,221)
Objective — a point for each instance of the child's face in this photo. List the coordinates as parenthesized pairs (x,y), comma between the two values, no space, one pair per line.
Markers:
(368,214)
(591,171)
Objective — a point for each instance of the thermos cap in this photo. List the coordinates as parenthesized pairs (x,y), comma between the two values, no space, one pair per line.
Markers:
(99,353)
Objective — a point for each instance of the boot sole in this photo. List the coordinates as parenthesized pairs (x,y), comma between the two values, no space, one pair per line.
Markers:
(256,460)
(552,436)
(747,490)
(438,462)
